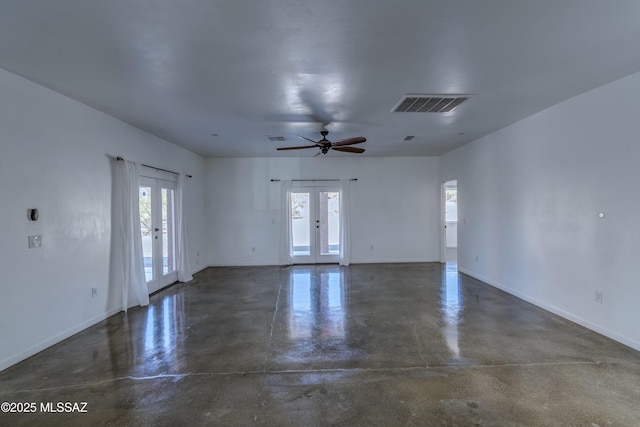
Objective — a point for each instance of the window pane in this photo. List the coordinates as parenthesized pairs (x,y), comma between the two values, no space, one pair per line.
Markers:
(146,229)
(329,223)
(168,232)
(300,224)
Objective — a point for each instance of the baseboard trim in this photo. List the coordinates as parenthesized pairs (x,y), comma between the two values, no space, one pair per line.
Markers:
(393,261)
(242,264)
(360,261)
(199,269)
(556,310)
(37,348)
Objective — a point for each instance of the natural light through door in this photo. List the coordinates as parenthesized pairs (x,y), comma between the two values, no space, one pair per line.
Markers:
(300,224)
(329,222)
(315,225)
(158,228)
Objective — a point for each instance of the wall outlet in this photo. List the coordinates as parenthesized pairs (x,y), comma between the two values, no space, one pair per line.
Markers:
(94,292)
(253,249)
(35,241)
(598,296)
(371,247)
(477,258)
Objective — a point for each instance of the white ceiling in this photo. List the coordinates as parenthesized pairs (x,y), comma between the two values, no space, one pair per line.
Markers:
(244,70)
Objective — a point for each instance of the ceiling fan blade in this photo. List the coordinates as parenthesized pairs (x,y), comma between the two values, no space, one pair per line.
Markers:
(349,141)
(297,148)
(305,138)
(349,149)
(316,108)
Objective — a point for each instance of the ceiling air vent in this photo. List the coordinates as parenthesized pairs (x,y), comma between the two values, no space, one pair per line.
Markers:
(276,138)
(429,103)
(409,137)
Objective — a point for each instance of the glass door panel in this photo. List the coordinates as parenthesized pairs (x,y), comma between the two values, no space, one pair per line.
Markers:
(329,225)
(168,231)
(301,224)
(146,229)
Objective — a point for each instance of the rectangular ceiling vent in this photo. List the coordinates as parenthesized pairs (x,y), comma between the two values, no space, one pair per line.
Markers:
(429,103)
(276,138)
(409,137)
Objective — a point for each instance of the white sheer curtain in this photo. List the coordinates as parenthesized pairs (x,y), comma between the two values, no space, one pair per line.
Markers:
(127,261)
(285,224)
(184,264)
(345,215)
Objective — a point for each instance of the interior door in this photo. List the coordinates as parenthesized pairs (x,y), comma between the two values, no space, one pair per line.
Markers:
(315,225)
(158,228)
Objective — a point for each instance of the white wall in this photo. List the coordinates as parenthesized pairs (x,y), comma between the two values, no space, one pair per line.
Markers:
(55,157)
(395,206)
(529,197)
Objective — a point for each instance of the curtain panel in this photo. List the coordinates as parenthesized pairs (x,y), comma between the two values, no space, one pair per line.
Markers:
(127,264)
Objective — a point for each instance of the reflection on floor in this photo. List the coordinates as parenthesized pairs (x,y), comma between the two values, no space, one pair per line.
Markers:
(384,344)
(451,257)
(317,307)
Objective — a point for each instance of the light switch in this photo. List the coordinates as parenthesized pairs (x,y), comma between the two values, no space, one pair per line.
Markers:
(35,241)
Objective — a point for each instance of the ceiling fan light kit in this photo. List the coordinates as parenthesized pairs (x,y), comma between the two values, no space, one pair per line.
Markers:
(324,145)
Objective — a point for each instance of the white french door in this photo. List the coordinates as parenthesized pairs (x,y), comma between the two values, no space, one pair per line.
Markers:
(158,228)
(315,225)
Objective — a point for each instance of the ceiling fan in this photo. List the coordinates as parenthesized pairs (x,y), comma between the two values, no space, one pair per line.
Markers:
(325,145)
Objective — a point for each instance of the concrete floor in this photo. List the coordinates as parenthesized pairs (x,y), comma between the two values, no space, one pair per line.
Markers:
(368,345)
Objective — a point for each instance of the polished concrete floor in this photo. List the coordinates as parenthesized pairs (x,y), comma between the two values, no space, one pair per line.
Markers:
(366,345)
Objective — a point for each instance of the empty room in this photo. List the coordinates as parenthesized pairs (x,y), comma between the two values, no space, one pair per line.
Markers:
(292,213)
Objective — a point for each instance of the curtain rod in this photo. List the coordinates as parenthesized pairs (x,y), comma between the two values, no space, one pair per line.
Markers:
(313,180)
(153,167)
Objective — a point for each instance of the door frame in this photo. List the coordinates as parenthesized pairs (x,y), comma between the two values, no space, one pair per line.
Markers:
(315,256)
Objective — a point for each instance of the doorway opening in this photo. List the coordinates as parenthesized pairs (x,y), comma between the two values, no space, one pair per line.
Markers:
(450,224)
(158,227)
(315,225)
